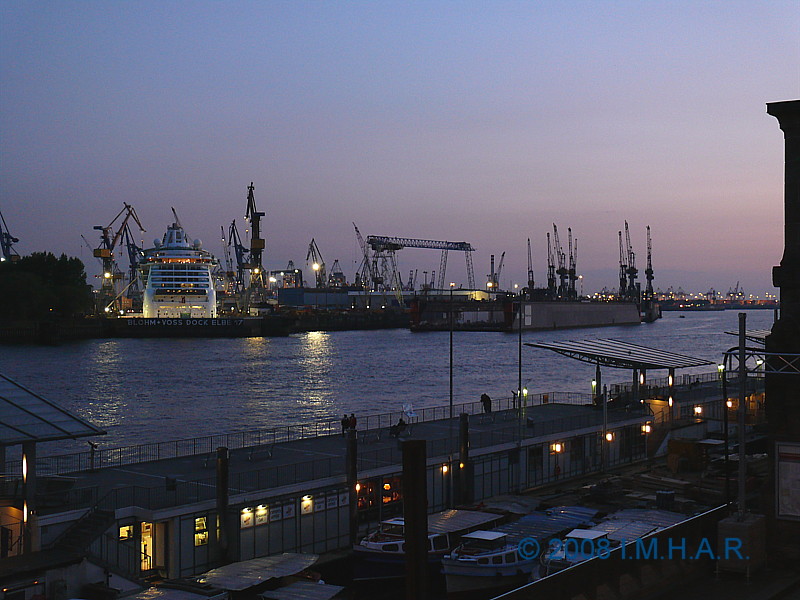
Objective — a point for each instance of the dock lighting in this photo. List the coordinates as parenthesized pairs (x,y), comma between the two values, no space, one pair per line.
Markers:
(256,271)
(669,401)
(107,309)
(594,387)
(609,437)
(358,487)
(670,379)
(107,275)
(698,410)
(315,266)
(387,486)
(444,469)
(720,369)
(646,428)
(557,447)
(729,403)
(273,280)
(525,392)
(461,465)
(488,284)
(641,378)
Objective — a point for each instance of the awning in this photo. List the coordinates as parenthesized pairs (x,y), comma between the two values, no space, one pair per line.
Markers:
(622,355)
(27,417)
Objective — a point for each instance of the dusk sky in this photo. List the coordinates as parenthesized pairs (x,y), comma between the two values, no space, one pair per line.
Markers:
(482,122)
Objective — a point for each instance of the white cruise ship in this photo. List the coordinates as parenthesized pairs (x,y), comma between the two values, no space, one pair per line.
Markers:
(177,279)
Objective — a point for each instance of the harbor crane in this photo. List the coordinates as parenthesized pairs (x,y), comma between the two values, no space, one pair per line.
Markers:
(562,271)
(530,271)
(230,274)
(256,241)
(365,277)
(552,289)
(572,293)
(317,264)
(648,272)
(623,270)
(494,277)
(109,239)
(631,270)
(384,249)
(242,255)
(7,241)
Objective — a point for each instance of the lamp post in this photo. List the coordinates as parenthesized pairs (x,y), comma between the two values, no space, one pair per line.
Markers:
(726,404)
(449,480)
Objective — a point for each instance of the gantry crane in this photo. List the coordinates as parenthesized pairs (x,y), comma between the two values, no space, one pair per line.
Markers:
(317,264)
(384,263)
(7,241)
(109,239)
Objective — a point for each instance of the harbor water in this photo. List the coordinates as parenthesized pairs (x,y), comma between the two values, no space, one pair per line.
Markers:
(148,390)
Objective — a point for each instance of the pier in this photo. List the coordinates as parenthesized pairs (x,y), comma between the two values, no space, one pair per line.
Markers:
(151,509)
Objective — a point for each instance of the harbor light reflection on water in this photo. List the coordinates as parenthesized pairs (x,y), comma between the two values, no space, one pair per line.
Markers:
(147,390)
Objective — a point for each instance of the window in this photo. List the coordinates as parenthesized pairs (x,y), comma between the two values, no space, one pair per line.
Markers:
(439,542)
(391,548)
(126,532)
(497,560)
(511,557)
(200,531)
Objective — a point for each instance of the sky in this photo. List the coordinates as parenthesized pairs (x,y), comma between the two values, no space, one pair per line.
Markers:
(483,122)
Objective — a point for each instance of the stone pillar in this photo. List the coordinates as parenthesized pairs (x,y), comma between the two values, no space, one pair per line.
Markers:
(783,389)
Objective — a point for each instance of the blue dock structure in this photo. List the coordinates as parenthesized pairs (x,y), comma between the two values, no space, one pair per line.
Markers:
(179,508)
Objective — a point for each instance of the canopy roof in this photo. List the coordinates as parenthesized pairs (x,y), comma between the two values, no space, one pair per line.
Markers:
(622,355)
(246,574)
(754,335)
(27,417)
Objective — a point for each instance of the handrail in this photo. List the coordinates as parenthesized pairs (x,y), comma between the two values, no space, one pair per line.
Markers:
(89,460)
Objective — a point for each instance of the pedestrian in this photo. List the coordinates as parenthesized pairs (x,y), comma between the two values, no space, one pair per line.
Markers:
(345,424)
(352,421)
(486,401)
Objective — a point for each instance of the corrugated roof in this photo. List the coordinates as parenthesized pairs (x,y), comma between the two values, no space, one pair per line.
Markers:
(623,355)
(242,575)
(27,417)
(543,525)
(303,590)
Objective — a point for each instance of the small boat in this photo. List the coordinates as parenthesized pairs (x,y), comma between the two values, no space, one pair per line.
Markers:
(497,561)
(381,554)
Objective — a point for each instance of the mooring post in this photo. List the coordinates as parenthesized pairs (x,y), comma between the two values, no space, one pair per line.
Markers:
(351,456)
(223,466)
(415,514)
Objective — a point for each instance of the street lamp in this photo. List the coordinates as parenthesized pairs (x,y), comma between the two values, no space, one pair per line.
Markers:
(727,405)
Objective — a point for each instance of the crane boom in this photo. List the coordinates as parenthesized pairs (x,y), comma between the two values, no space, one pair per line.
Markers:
(317,265)
(530,269)
(648,272)
(7,242)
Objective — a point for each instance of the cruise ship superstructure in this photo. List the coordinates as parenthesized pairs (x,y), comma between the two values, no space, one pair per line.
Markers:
(176,274)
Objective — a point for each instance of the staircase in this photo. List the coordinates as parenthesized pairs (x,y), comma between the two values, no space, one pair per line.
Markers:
(84,531)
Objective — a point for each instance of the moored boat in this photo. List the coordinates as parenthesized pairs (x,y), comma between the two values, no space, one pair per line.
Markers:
(382,553)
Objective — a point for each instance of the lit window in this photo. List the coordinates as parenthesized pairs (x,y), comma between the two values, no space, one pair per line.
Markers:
(126,532)
(200,531)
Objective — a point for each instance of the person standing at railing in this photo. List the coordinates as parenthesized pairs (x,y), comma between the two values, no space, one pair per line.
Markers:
(345,424)
(486,401)
(352,421)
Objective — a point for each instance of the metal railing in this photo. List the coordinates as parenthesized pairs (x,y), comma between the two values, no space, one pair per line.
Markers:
(89,460)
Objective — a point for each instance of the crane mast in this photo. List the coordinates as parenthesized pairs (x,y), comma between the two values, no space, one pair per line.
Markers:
(109,239)
(572,293)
